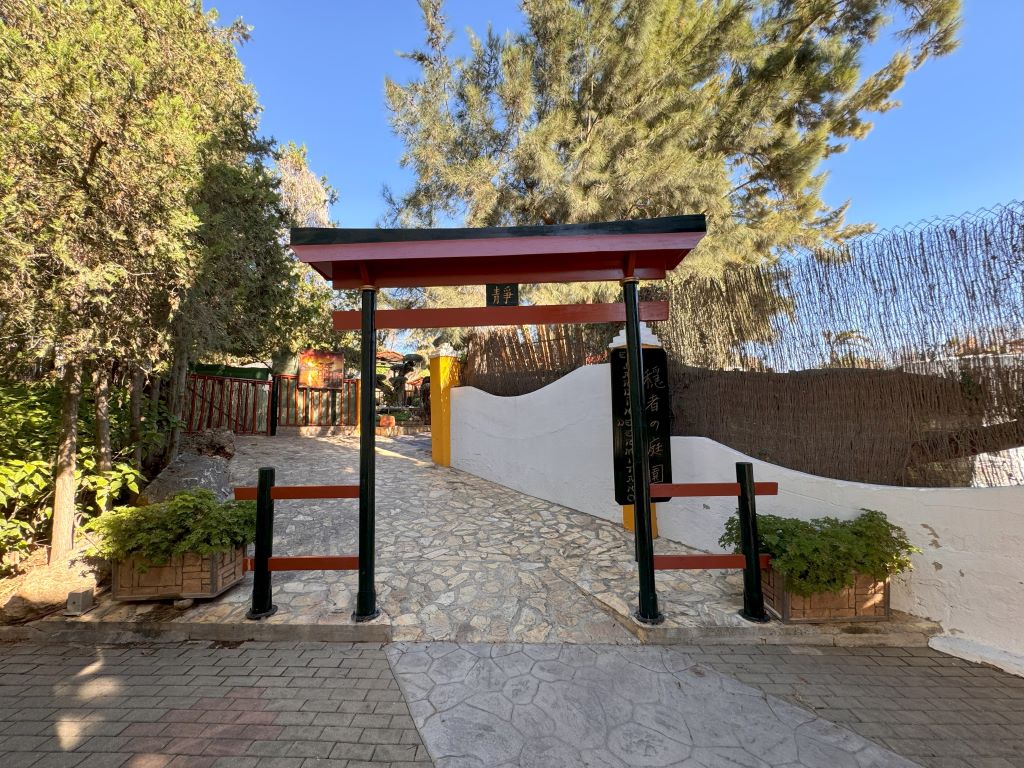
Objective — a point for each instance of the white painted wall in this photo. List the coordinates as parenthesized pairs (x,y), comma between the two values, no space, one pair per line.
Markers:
(556,444)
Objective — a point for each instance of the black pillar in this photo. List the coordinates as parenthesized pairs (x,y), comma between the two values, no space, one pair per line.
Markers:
(262,597)
(647,611)
(366,597)
(275,394)
(753,597)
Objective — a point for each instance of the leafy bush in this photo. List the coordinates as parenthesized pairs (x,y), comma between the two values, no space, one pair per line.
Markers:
(28,444)
(190,521)
(826,554)
(25,491)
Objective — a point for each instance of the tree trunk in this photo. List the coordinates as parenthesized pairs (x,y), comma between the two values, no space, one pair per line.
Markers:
(154,451)
(62,535)
(138,382)
(101,421)
(176,402)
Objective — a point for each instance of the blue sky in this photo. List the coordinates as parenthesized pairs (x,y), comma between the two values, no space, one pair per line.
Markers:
(956,144)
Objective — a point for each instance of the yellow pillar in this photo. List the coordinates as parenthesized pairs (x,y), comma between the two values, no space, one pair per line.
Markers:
(628,523)
(358,404)
(444,374)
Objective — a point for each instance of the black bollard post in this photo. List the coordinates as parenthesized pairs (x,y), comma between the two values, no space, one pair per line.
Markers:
(275,395)
(753,597)
(262,596)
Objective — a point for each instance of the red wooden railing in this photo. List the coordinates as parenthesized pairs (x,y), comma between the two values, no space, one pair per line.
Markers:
(243,405)
(299,406)
(223,402)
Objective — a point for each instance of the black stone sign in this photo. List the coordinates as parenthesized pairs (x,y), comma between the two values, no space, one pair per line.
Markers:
(657,413)
(503,294)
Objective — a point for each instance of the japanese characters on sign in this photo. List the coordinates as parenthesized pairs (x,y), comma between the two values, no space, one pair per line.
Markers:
(503,294)
(657,412)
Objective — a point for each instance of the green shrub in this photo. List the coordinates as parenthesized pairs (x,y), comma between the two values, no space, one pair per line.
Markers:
(826,554)
(28,444)
(190,521)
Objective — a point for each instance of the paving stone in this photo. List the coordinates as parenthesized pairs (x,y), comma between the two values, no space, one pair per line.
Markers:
(642,707)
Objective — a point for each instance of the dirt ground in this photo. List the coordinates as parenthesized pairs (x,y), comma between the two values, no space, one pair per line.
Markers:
(40,589)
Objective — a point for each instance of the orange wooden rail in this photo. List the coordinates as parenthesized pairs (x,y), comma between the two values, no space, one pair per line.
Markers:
(310,563)
(704,562)
(696,490)
(471,317)
(248,493)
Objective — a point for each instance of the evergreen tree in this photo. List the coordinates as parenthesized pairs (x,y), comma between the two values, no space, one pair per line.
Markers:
(140,216)
(620,109)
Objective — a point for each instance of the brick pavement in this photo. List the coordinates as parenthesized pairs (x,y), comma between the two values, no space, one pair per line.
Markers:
(937,710)
(203,705)
(311,705)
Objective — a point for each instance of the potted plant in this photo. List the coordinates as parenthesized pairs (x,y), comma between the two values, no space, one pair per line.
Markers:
(190,545)
(828,569)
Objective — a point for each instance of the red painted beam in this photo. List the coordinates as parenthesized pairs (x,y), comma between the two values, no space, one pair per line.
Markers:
(301,492)
(470,317)
(704,562)
(451,272)
(697,490)
(310,563)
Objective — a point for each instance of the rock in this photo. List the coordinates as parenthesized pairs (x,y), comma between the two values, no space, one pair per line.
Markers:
(43,589)
(79,601)
(187,602)
(187,472)
(210,442)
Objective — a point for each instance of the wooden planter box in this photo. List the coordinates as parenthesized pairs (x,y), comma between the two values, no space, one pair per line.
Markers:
(184,576)
(866,600)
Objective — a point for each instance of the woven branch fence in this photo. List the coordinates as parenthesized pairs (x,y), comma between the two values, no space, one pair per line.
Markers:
(897,359)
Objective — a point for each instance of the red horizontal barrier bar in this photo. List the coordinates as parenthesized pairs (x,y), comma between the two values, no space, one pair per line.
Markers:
(248,493)
(310,563)
(704,562)
(696,490)
(471,317)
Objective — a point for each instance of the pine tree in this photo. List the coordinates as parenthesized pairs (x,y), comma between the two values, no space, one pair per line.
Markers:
(620,109)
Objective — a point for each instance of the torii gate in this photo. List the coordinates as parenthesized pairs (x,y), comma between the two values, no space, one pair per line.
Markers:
(371,259)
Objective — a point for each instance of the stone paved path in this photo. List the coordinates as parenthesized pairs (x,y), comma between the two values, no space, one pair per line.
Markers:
(339,705)
(459,558)
(507,705)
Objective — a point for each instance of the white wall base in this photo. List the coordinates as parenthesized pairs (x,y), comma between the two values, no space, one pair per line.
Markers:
(983,654)
(556,444)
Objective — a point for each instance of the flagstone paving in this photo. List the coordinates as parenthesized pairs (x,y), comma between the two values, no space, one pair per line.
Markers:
(461,558)
(458,557)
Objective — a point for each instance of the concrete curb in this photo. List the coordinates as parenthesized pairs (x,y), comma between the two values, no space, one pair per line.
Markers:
(76,630)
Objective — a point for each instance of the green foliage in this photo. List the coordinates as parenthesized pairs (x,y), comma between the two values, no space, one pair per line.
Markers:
(28,443)
(620,109)
(139,214)
(190,521)
(106,487)
(826,554)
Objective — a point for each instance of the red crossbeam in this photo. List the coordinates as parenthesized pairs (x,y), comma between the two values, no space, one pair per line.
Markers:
(696,490)
(474,317)
(248,493)
(310,563)
(704,562)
